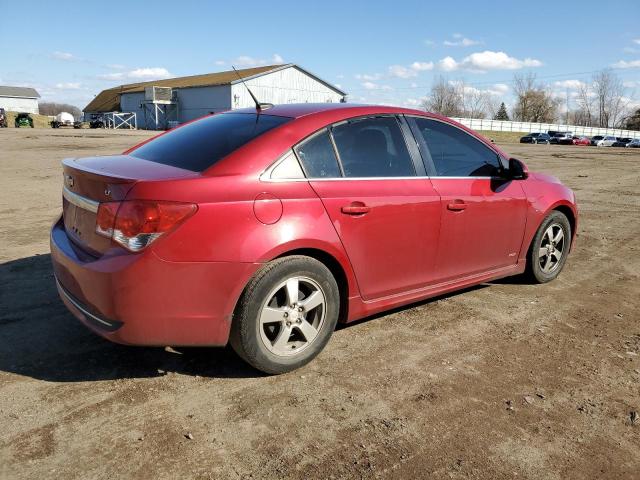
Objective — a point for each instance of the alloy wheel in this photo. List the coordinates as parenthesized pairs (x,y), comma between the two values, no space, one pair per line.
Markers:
(293,315)
(551,248)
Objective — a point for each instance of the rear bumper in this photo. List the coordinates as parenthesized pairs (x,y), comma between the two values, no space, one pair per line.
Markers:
(140,299)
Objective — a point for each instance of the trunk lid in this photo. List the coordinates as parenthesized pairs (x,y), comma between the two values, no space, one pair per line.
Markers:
(89,181)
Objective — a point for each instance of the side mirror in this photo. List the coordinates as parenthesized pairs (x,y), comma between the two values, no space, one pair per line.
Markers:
(517,169)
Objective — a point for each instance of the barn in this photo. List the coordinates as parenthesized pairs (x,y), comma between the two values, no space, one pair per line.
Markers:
(157,104)
(19,99)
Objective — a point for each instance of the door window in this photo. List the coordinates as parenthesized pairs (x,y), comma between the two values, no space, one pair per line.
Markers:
(455,153)
(373,147)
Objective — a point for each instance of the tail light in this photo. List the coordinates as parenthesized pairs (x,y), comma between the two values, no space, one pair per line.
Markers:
(135,224)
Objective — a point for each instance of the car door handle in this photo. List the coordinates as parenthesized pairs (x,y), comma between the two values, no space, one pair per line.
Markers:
(356,208)
(457,205)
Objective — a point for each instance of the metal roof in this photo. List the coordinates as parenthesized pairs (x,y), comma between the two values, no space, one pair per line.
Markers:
(22,92)
(109,100)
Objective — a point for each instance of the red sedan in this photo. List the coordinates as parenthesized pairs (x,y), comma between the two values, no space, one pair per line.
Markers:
(266,228)
(581,141)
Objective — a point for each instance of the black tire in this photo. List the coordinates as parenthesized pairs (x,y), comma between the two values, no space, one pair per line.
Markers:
(535,271)
(246,336)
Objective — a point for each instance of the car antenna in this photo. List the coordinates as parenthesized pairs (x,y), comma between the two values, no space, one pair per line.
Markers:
(259,106)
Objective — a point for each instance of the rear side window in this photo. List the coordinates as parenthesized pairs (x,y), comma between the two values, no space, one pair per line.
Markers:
(455,153)
(318,157)
(199,145)
(373,147)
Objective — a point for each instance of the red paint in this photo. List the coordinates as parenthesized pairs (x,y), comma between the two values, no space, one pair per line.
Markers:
(584,141)
(396,240)
(267,208)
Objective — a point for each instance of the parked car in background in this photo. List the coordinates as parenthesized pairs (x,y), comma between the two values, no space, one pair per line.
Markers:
(96,121)
(535,138)
(621,142)
(561,138)
(23,120)
(595,139)
(581,141)
(265,228)
(3,118)
(635,143)
(607,141)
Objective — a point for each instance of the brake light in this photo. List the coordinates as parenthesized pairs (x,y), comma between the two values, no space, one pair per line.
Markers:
(135,224)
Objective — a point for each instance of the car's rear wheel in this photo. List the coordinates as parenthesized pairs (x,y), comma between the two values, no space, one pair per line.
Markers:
(549,248)
(286,314)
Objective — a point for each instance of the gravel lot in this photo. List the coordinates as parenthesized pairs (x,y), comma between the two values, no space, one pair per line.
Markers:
(500,381)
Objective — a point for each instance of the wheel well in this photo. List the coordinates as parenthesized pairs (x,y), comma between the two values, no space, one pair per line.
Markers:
(569,214)
(336,270)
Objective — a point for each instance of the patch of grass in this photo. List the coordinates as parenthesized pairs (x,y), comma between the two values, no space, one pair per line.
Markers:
(502,137)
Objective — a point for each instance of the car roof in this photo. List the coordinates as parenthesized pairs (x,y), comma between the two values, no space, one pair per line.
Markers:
(297,110)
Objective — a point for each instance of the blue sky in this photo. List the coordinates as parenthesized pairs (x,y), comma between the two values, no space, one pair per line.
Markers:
(379,52)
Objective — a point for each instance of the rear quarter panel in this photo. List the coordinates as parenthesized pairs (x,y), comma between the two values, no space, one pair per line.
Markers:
(225,227)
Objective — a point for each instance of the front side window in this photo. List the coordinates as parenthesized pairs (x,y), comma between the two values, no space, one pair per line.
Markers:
(318,157)
(373,147)
(455,153)
(199,145)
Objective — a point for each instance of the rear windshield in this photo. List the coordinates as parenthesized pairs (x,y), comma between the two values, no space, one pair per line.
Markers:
(200,144)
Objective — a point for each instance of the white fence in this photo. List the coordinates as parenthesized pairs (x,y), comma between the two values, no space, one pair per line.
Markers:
(528,127)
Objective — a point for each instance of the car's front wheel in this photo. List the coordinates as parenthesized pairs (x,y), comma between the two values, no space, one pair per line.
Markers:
(549,248)
(286,314)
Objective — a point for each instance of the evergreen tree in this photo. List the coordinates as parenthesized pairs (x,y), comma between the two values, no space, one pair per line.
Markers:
(633,122)
(502,113)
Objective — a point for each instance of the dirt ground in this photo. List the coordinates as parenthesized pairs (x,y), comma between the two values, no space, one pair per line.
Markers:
(500,381)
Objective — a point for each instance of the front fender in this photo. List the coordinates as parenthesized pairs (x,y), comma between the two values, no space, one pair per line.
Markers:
(545,194)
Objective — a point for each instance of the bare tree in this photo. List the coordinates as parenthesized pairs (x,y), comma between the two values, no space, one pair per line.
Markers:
(474,102)
(444,98)
(52,108)
(534,102)
(609,100)
(584,100)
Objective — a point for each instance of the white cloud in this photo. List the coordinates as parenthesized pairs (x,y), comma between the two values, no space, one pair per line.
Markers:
(630,84)
(636,40)
(152,73)
(149,73)
(367,77)
(570,84)
(65,56)
(375,86)
(247,61)
(487,60)
(447,64)
(69,86)
(630,50)
(112,76)
(460,41)
(414,102)
(220,62)
(624,64)
(429,43)
(422,66)
(401,72)
(496,90)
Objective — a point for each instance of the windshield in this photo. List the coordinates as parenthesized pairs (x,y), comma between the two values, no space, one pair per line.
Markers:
(199,145)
